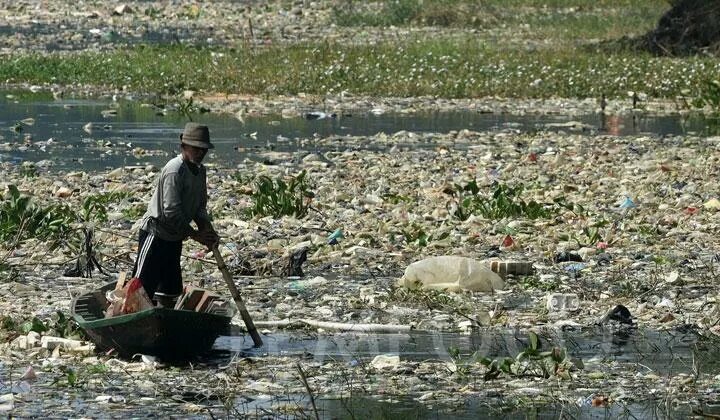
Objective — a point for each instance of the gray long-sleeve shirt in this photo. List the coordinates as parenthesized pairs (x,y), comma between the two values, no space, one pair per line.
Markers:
(179,198)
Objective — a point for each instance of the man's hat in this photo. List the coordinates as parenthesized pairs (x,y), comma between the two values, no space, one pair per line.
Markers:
(196,135)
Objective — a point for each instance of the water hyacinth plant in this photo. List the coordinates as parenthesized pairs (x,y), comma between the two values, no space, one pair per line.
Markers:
(94,207)
(505,201)
(528,48)
(707,97)
(448,67)
(21,217)
(277,198)
(531,361)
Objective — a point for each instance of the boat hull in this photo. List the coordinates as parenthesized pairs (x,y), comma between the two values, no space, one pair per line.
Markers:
(166,333)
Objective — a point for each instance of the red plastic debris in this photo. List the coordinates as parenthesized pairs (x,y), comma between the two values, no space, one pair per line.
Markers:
(508,241)
(600,401)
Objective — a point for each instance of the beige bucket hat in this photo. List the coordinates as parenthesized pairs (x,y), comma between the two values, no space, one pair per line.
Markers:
(196,135)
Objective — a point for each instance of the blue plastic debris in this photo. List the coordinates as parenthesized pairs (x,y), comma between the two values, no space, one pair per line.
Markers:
(333,238)
(575,267)
(627,203)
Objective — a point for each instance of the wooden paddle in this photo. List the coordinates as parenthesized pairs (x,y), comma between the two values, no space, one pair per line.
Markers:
(238,299)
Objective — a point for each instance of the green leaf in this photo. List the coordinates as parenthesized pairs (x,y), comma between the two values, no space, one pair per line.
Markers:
(7,323)
(534,341)
(34,325)
(71,377)
(506,365)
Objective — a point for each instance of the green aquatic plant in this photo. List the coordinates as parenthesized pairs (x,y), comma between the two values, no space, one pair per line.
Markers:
(152,12)
(35,324)
(277,198)
(68,377)
(7,323)
(191,11)
(8,273)
(64,326)
(708,96)
(592,234)
(28,171)
(534,282)
(21,217)
(94,207)
(532,361)
(58,324)
(416,235)
(133,211)
(443,66)
(394,198)
(505,201)
(187,108)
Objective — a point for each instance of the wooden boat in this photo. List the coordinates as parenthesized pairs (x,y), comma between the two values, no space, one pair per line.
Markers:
(170,334)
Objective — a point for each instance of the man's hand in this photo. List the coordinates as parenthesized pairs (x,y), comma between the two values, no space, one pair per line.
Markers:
(209,238)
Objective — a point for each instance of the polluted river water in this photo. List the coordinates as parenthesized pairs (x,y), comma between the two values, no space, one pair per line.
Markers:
(37,128)
(662,353)
(95,134)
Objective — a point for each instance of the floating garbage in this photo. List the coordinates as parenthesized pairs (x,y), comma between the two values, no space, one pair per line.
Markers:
(574,267)
(566,257)
(334,237)
(451,273)
(557,302)
(505,268)
(51,343)
(385,189)
(618,313)
(29,374)
(384,361)
(110,399)
(627,203)
(712,204)
(295,262)
(508,242)
(302,285)
(7,402)
(122,9)
(319,115)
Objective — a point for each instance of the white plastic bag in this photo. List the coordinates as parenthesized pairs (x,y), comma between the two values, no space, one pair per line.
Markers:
(451,273)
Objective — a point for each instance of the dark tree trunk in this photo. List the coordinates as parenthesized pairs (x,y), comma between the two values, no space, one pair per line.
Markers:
(689,27)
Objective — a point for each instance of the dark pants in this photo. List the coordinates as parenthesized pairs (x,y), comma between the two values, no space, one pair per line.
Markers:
(158,266)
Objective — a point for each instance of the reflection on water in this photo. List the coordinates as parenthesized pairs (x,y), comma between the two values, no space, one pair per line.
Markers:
(397,407)
(111,139)
(636,351)
(664,352)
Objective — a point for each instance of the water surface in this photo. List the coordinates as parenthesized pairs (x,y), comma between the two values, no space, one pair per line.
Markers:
(137,133)
(661,352)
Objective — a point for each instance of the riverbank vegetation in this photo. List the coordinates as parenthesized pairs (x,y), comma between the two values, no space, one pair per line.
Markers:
(451,68)
(521,49)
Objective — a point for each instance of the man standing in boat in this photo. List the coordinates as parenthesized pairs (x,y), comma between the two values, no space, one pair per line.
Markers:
(180,197)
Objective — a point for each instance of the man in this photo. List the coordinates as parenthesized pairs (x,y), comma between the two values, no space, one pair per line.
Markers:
(180,197)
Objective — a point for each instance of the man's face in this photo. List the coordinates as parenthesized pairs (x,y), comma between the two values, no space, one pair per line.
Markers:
(193,154)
